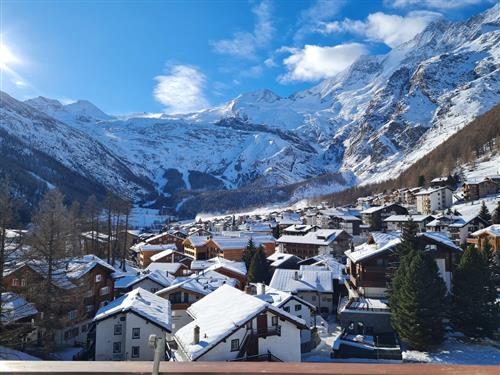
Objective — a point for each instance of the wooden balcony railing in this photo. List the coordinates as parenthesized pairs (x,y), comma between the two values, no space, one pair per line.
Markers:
(238,368)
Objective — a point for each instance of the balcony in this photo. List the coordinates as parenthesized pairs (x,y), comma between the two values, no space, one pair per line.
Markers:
(238,368)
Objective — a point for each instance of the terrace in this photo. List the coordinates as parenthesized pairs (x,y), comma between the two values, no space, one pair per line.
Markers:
(238,368)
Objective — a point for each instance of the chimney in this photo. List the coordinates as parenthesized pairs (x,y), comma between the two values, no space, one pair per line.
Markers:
(262,287)
(248,289)
(196,335)
(296,275)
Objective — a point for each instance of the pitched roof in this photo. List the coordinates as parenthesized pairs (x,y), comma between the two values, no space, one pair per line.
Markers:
(382,242)
(277,258)
(165,267)
(322,237)
(214,326)
(15,307)
(156,276)
(404,218)
(143,303)
(302,280)
(203,283)
(492,230)
(277,297)
(171,249)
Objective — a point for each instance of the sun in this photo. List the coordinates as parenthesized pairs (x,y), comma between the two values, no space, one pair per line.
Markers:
(6,57)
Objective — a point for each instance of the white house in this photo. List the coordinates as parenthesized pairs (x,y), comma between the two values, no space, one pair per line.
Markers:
(314,286)
(151,281)
(293,305)
(229,324)
(434,199)
(124,325)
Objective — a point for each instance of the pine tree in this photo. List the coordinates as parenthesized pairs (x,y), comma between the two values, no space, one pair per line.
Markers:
(475,311)
(249,252)
(484,213)
(259,271)
(496,214)
(417,301)
(421,181)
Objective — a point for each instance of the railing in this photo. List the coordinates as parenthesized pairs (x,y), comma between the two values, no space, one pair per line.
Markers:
(237,368)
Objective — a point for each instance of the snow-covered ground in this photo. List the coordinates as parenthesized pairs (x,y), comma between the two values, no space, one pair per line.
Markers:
(146,218)
(460,351)
(454,350)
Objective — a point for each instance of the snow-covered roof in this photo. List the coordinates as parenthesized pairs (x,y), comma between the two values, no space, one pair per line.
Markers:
(204,283)
(298,228)
(373,209)
(214,326)
(368,304)
(15,307)
(404,218)
(197,241)
(440,179)
(277,297)
(322,237)
(277,258)
(492,230)
(382,243)
(441,238)
(160,235)
(162,254)
(97,236)
(9,354)
(236,267)
(157,276)
(431,190)
(143,303)
(165,267)
(296,281)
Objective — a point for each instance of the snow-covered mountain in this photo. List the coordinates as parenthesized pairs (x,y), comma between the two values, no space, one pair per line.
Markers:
(366,124)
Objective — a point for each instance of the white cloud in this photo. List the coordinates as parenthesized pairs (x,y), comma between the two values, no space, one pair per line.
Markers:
(181,89)
(245,44)
(270,63)
(390,29)
(315,62)
(311,18)
(434,4)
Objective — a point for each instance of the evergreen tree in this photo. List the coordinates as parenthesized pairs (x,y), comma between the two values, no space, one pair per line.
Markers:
(496,214)
(421,181)
(484,213)
(408,237)
(249,252)
(276,231)
(417,301)
(475,311)
(259,271)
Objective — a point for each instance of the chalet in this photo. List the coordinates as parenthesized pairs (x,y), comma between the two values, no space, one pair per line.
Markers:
(337,219)
(373,217)
(258,228)
(150,281)
(123,326)
(490,234)
(171,255)
(231,269)
(318,287)
(479,188)
(434,199)
(366,307)
(323,241)
(96,242)
(231,248)
(249,329)
(146,251)
(187,290)
(287,219)
(293,305)
(82,284)
(440,182)
(396,222)
(367,264)
(463,227)
(167,238)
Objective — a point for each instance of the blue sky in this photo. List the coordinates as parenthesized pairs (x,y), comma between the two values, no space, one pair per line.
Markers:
(179,56)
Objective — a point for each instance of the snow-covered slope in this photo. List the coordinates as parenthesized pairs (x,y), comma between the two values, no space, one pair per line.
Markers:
(368,123)
(37,135)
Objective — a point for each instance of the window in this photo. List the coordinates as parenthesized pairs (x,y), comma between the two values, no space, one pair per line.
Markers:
(136,333)
(84,328)
(72,314)
(235,345)
(313,298)
(286,308)
(104,290)
(118,329)
(15,282)
(135,352)
(23,282)
(274,320)
(298,307)
(117,347)
(249,325)
(98,278)
(154,290)
(299,316)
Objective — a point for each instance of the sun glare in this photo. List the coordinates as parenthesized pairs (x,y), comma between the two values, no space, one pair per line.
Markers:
(6,57)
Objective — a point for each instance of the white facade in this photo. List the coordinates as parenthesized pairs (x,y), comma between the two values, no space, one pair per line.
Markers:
(122,344)
(431,200)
